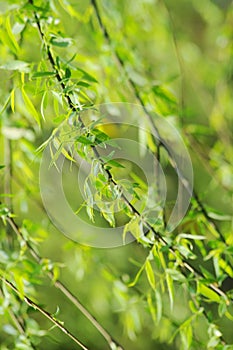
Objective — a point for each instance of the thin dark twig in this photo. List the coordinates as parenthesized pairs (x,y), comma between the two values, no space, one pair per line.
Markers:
(173,250)
(18,322)
(60,286)
(76,109)
(35,306)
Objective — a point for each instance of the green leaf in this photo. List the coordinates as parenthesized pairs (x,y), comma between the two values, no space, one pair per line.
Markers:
(222,308)
(176,275)
(82,83)
(159,306)
(134,282)
(87,76)
(225,267)
(150,274)
(56,273)
(19,284)
(89,200)
(43,104)
(84,140)
(170,289)
(190,236)
(13,100)
(100,135)
(42,74)
(12,43)
(20,66)
(30,107)
(133,226)
(114,163)
(164,94)
(151,307)
(102,178)
(209,276)
(67,73)
(208,293)
(61,42)
(109,216)
(186,334)
(5,105)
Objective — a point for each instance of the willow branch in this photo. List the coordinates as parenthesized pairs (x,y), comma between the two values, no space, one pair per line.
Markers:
(18,322)
(151,120)
(64,290)
(45,313)
(173,250)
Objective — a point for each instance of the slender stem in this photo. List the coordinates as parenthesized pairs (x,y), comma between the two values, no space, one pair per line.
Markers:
(76,109)
(32,304)
(64,290)
(58,284)
(19,324)
(173,250)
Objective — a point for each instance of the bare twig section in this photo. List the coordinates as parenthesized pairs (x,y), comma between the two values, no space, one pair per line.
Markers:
(35,306)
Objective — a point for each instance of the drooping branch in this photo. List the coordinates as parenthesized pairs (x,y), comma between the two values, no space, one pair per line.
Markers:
(183,262)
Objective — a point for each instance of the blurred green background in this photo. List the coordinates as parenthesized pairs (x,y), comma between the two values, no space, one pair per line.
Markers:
(184,48)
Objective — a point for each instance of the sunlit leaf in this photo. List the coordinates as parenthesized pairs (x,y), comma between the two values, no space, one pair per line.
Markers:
(61,42)
(208,293)
(20,66)
(30,107)
(150,274)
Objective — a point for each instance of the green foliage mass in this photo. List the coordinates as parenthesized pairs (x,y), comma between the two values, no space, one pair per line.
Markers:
(59,60)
